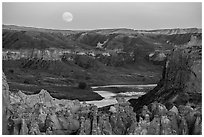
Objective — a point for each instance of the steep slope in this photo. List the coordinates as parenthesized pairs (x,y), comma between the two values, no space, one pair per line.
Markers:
(181,82)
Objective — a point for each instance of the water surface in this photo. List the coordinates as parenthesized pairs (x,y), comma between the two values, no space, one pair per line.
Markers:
(110,98)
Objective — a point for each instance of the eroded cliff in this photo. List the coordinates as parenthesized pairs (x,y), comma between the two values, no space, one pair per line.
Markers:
(181,81)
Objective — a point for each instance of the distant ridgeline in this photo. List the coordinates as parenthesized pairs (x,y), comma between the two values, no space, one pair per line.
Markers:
(128,46)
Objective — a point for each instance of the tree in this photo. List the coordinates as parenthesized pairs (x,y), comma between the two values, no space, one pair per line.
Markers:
(82,85)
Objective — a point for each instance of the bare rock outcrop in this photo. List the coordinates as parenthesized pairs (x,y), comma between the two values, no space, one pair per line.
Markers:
(40,114)
(5,104)
(181,82)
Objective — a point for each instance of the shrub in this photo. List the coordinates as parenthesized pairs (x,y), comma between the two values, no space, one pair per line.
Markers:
(26,81)
(11,71)
(29,81)
(87,78)
(82,85)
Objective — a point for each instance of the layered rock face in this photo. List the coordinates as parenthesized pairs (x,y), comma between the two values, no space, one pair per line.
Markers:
(48,54)
(181,82)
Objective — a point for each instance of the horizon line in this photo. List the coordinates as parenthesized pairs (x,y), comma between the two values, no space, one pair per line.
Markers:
(97,28)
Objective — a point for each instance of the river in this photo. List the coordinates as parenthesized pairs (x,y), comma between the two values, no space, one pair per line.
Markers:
(110,98)
(129,86)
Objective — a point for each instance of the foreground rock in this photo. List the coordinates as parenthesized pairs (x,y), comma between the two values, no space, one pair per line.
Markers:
(5,103)
(41,114)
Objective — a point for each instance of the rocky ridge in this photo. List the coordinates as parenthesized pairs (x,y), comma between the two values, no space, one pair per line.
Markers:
(181,80)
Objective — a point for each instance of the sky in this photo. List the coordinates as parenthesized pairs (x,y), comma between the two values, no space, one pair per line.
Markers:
(100,15)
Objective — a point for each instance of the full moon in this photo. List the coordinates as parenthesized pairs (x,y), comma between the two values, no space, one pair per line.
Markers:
(67,16)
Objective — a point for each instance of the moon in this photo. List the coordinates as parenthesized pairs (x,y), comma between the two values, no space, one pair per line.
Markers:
(67,16)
